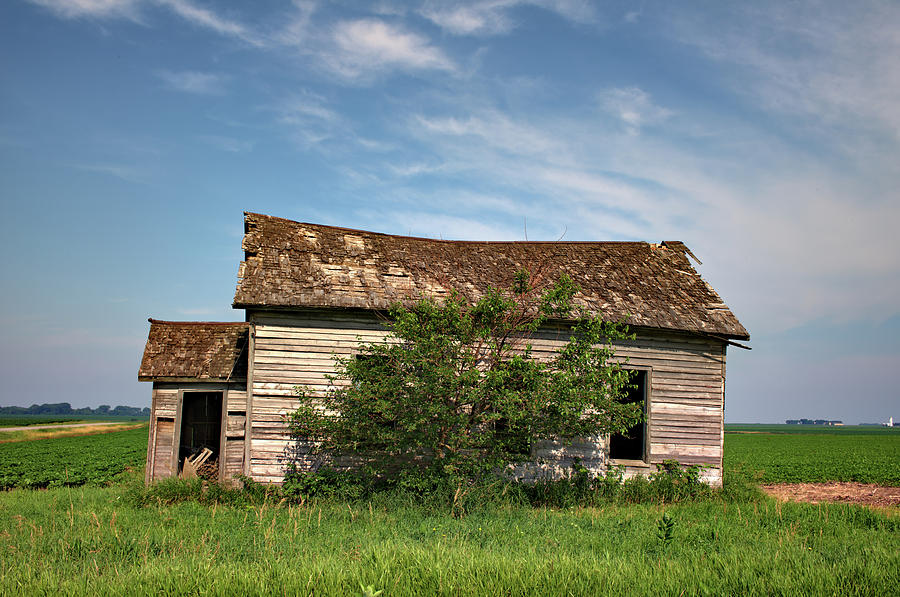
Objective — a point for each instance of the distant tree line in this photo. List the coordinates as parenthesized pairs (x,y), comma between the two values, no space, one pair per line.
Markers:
(64,408)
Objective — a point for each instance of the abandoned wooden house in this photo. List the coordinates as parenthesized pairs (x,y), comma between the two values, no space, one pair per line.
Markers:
(310,292)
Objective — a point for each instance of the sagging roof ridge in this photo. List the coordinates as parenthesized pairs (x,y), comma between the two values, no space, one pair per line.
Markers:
(290,264)
(474,242)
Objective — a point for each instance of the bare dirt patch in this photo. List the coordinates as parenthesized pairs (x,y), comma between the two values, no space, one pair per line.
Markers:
(849,493)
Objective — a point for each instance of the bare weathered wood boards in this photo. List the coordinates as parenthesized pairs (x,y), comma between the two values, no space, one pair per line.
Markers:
(162,454)
(312,293)
(685,415)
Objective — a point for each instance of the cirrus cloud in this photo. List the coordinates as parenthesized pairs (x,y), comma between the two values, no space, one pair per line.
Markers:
(363,48)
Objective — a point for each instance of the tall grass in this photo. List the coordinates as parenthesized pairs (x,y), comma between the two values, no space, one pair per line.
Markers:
(96,541)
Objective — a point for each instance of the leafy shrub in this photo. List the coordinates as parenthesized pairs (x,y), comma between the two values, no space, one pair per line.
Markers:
(670,483)
(326,483)
(459,394)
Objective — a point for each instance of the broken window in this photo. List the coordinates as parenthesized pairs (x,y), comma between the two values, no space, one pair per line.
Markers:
(632,444)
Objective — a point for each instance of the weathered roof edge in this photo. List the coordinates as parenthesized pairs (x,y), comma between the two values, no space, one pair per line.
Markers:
(208,323)
(216,351)
(710,315)
(455,241)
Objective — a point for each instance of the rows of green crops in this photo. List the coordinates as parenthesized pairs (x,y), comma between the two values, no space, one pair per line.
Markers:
(28,420)
(779,454)
(68,461)
(786,454)
(842,430)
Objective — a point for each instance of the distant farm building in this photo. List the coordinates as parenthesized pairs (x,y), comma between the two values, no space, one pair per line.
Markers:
(222,391)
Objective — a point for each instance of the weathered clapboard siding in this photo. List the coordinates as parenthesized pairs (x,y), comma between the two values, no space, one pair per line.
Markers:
(163,448)
(234,431)
(685,418)
(164,419)
(160,443)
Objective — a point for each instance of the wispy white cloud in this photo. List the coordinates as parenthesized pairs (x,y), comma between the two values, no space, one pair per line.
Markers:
(375,144)
(780,233)
(208,19)
(357,51)
(494,128)
(309,120)
(632,16)
(441,225)
(414,169)
(833,62)
(492,17)
(469,19)
(197,82)
(92,8)
(121,171)
(633,107)
(229,144)
(296,30)
(191,12)
(307,106)
(363,48)
(312,122)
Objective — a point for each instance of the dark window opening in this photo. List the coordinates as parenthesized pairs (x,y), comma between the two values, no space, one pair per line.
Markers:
(201,429)
(512,440)
(378,364)
(631,444)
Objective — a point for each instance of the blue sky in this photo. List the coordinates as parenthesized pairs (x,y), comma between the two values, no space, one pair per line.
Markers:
(133,133)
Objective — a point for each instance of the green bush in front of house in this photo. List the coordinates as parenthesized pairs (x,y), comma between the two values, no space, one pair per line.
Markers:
(457,394)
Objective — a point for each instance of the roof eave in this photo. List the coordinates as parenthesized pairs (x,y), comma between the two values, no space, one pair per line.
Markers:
(211,380)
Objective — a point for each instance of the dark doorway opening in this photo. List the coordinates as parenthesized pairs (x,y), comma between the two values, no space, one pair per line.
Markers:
(631,444)
(201,426)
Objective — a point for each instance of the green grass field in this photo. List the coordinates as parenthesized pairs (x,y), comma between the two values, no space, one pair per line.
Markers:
(90,541)
(97,540)
(795,453)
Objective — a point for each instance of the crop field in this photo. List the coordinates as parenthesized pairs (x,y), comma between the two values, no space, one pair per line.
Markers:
(782,429)
(798,454)
(29,420)
(67,461)
(37,432)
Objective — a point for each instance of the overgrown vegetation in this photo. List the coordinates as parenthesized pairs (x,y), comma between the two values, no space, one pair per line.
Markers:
(669,484)
(92,541)
(457,395)
(583,535)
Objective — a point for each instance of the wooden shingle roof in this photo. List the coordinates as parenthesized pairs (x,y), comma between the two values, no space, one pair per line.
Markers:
(214,351)
(290,264)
